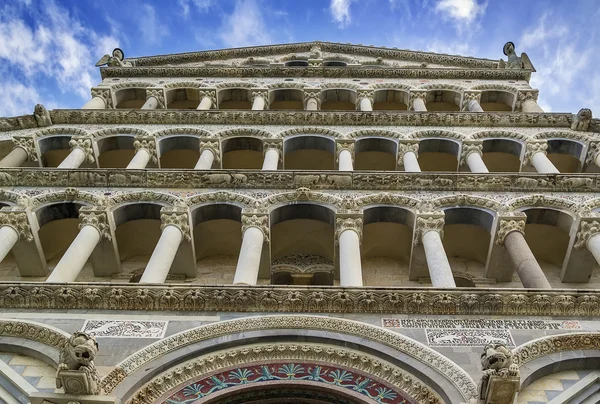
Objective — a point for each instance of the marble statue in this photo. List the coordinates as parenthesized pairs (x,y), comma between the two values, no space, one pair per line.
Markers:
(501,379)
(116,60)
(42,116)
(582,120)
(76,370)
(514,62)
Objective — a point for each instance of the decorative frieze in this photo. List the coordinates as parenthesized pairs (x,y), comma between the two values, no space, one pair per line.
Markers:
(17,219)
(97,218)
(27,143)
(537,348)
(456,338)
(480,323)
(84,143)
(213,146)
(147,143)
(178,217)
(260,221)
(125,328)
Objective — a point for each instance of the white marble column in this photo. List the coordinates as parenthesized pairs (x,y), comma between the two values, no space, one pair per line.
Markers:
(417,98)
(312,104)
(476,164)
(74,159)
(366,104)
(74,259)
(407,153)
(526,264)
(271,161)
(139,161)
(440,272)
(15,158)
(259,99)
(596,159)
(474,106)
(254,229)
(349,232)
(205,103)
(205,161)
(531,106)
(536,151)
(8,238)
(345,160)
(471,153)
(95,103)
(151,103)
(163,255)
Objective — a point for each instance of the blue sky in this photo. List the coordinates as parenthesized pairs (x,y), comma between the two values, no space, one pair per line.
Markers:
(48,48)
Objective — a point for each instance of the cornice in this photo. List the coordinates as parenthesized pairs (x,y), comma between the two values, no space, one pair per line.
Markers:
(286,299)
(284,179)
(327,72)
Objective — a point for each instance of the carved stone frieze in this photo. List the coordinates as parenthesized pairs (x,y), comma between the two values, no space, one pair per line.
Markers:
(211,145)
(17,219)
(468,147)
(260,221)
(576,341)
(534,147)
(508,224)
(96,217)
(159,94)
(105,94)
(147,143)
(42,333)
(178,217)
(430,221)
(588,227)
(84,143)
(27,143)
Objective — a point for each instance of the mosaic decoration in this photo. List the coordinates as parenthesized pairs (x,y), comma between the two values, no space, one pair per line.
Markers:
(315,373)
(125,329)
(481,324)
(457,338)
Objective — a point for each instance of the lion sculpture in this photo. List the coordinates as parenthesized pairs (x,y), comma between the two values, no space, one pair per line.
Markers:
(77,355)
(582,120)
(42,116)
(496,360)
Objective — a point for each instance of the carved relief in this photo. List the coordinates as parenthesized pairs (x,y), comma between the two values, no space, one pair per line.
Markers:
(85,144)
(211,145)
(260,221)
(27,143)
(468,147)
(157,93)
(17,219)
(534,147)
(348,222)
(341,145)
(588,227)
(429,222)
(509,224)
(147,143)
(76,372)
(105,94)
(178,217)
(96,217)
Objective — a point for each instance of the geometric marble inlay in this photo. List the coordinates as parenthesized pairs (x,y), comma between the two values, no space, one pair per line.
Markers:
(482,324)
(125,329)
(455,338)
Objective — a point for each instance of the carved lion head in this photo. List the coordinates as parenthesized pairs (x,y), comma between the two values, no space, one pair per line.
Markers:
(496,356)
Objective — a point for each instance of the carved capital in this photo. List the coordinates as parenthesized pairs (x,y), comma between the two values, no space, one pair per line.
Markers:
(368,94)
(260,221)
(468,147)
(84,143)
(96,217)
(178,217)
(212,145)
(210,93)
(314,93)
(17,219)
(430,222)
(276,144)
(469,96)
(405,146)
(526,95)
(352,221)
(508,224)
(147,143)
(592,152)
(413,95)
(533,147)
(105,94)
(157,93)
(260,92)
(588,227)
(344,144)
(27,143)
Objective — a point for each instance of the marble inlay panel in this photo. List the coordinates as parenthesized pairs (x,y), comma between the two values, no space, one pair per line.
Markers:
(125,328)
(482,324)
(457,338)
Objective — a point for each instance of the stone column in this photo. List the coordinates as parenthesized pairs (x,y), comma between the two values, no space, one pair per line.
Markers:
(145,151)
(208,98)
(95,103)
(15,158)
(14,227)
(408,152)
(255,232)
(527,100)
(589,236)
(259,99)
(209,152)
(365,100)
(471,153)
(430,229)
(155,98)
(273,150)
(81,150)
(101,99)
(93,227)
(511,235)
(345,155)
(312,99)
(471,101)
(175,228)
(24,149)
(417,101)
(536,155)
(348,235)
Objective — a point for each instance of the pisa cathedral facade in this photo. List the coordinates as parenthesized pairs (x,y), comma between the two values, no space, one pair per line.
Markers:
(302,223)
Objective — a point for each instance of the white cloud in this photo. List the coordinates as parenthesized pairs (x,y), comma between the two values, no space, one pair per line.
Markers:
(451,48)
(201,6)
(245,26)
(152,30)
(340,11)
(17,98)
(461,11)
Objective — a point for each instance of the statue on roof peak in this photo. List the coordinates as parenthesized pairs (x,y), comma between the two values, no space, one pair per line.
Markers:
(514,62)
(116,60)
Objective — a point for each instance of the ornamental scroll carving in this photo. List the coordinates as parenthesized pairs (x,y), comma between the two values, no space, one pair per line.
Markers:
(259,221)
(157,93)
(178,217)
(211,145)
(147,143)
(468,147)
(588,228)
(17,219)
(105,94)
(343,144)
(430,222)
(27,143)
(97,218)
(534,147)
(84,143)
(509,224)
